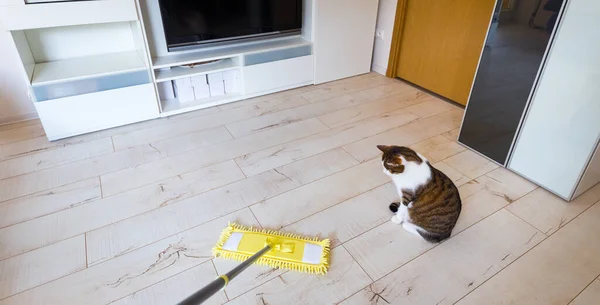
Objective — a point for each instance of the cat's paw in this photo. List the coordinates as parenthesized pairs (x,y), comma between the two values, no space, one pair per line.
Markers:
(397,220)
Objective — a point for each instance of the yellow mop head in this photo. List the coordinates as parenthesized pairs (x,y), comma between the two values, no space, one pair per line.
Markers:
(289,251)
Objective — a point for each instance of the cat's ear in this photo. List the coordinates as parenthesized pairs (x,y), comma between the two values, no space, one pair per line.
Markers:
(384,148)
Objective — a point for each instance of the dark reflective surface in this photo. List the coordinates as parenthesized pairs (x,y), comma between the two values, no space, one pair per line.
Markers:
(506,74)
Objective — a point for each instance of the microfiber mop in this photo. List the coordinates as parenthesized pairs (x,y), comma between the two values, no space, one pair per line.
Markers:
(264,247)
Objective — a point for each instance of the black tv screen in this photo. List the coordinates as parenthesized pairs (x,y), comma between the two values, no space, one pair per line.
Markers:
(189,22)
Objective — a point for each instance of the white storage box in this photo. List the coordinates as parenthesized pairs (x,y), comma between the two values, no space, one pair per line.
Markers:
(215,82)
(165,91)
(199,80)
(184,93)
(231,81)
(183,82)
(201,89)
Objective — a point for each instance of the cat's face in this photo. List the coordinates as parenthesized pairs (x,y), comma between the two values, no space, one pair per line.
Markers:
(396,158)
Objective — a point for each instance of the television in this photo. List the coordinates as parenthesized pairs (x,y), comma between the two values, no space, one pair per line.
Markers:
(188,23)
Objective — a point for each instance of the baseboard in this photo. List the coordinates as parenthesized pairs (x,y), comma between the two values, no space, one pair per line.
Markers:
(379,69)
(9,119)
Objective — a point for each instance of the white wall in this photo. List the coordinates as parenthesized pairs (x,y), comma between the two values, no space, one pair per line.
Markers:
(385,23)
(14,103)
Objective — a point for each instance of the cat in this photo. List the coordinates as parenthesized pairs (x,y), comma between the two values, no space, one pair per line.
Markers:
(430,203)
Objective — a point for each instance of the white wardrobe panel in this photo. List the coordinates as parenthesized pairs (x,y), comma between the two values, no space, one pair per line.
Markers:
(591,176)
(344,37)
(562,125)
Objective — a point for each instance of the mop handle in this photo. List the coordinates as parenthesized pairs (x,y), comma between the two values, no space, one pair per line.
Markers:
(209,290)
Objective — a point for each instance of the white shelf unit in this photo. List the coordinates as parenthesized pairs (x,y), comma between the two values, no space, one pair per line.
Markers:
(86,67)
(264,67)
(177,72)
(183,58)
(84,74)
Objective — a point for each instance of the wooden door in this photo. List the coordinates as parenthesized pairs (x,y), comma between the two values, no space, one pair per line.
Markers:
(344,37)
(440,44)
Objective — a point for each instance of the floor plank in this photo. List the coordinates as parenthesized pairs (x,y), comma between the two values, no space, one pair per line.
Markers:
(134,271)
(249,279)
(448,272)
(343,279)
(590,295)
(195,124)
(263,160)
(405,135)
(554,272)
(32,146)
(431,107)
(192,141)
(47,159)
(37,267)
(111,241)
(48,202)
(437,148)
(377,107)
(548,213)
(78,220)
(20,124)
(265,122)
(452,135)
(73,172)
(117,182)
(456,176)
(21,133)
(350,218)
(176,288)
(314,197)
(471,164)
(271,100)
(334,89)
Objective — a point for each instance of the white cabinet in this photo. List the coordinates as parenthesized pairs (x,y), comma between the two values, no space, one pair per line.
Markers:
(73,115)
(561,130)
(343,38)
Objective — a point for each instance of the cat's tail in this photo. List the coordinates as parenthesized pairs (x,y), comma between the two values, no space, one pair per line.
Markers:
(432,237)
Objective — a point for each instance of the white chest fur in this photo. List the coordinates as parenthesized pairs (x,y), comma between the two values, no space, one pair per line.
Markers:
(414,175)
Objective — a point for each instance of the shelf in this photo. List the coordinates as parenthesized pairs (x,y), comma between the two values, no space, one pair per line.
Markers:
(180,72)
(85,67)
(171,107)
(66,13)
(224,52)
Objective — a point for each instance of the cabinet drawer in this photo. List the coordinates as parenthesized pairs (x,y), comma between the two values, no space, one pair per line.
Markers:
(275,55)
(74,115)
(278,74)
(44,15)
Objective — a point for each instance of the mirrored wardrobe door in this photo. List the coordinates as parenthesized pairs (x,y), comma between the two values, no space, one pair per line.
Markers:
(517,40)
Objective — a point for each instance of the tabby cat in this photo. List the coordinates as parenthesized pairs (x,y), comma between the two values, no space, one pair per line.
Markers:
(430,203)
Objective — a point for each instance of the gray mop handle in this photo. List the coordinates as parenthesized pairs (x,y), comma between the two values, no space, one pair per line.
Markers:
(209,290)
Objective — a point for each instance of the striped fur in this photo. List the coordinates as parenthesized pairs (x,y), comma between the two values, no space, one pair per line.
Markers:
(431,198)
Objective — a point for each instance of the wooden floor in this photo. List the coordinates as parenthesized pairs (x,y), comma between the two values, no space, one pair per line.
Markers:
(129,215)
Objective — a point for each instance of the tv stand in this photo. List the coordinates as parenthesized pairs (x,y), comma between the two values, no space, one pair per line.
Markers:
(264,67)
(93,65)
